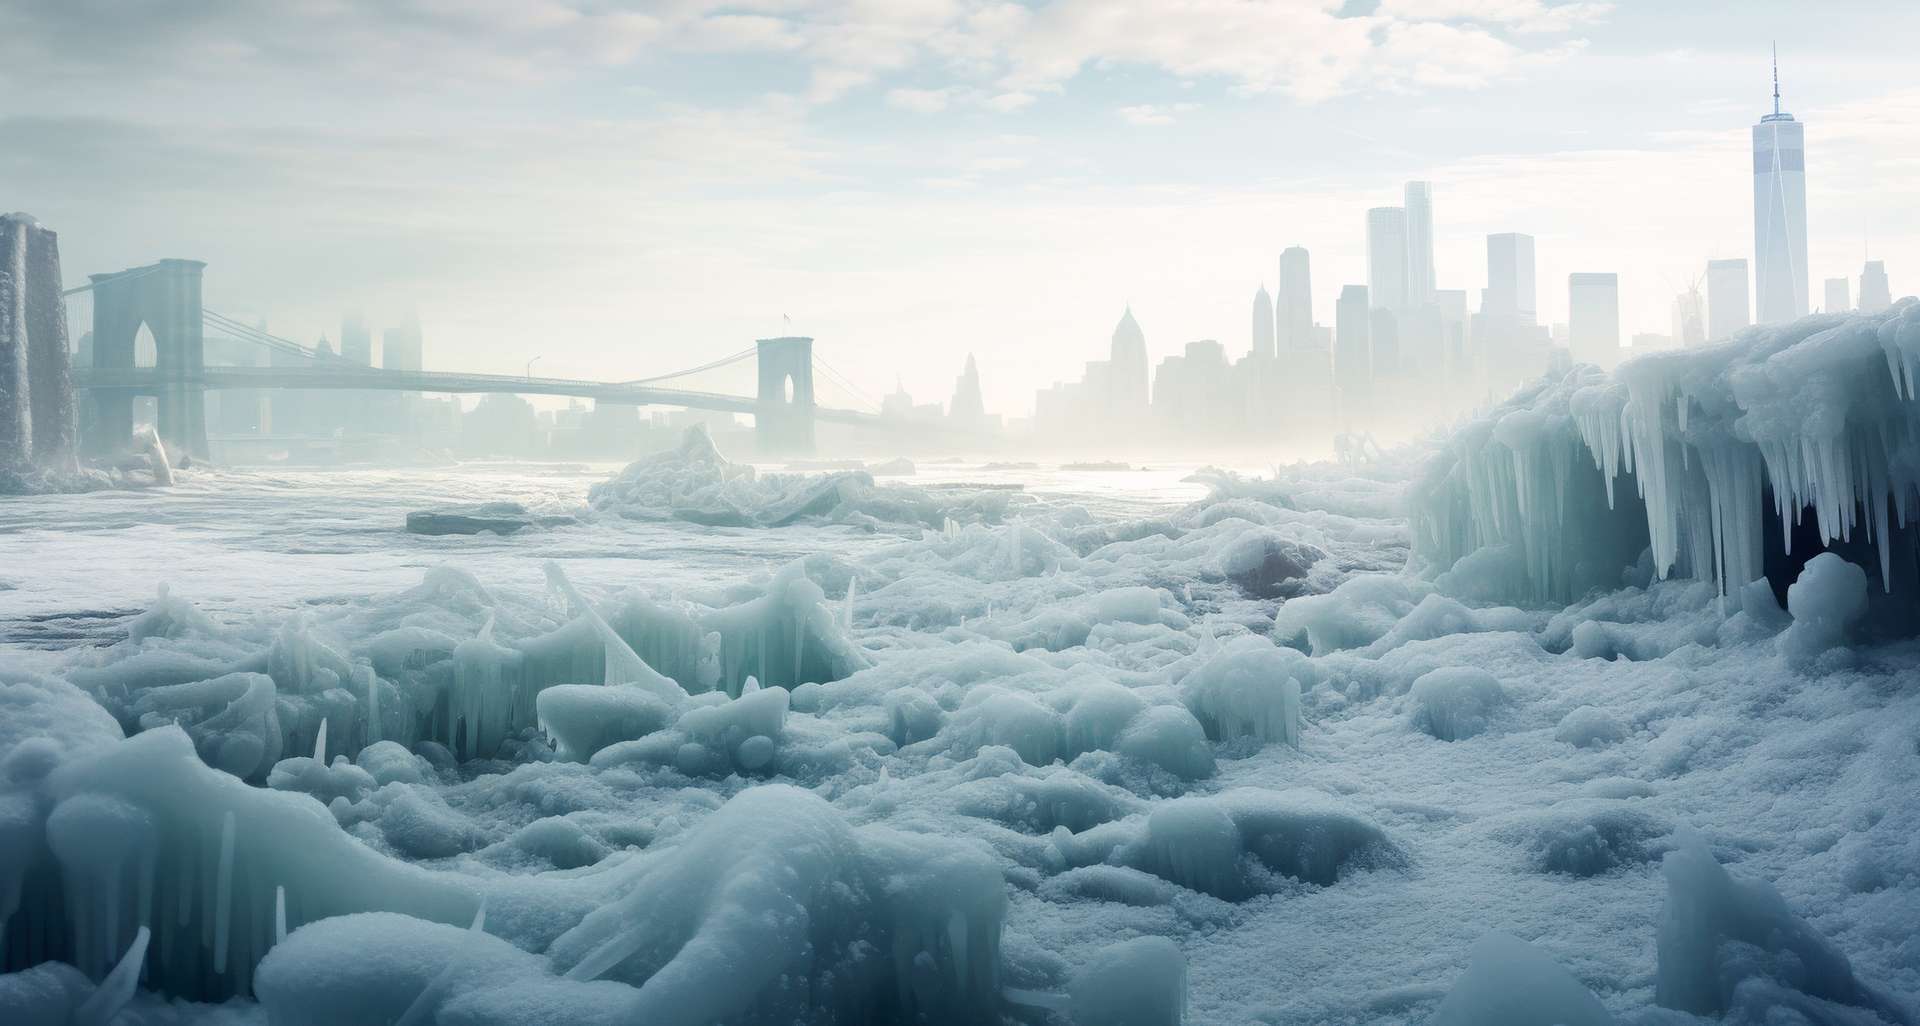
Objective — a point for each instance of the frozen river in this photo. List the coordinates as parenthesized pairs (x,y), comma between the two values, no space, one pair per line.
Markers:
(1011,744)
(245,541)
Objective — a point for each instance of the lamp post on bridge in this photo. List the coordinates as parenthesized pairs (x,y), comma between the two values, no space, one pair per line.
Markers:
(530,364)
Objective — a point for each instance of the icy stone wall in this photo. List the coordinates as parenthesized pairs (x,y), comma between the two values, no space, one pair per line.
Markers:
(36,385)
(1680,455)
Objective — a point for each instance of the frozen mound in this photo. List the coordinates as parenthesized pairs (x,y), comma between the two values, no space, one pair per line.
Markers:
(1248,688)
(1509,982)
(1454,703)
(776,910)
(697,484)
(785,635)
(1584,837)
(141,833)
(1141,982)
(1727,463)
(448,663)
(1235,845)
(379,967)
(1732,947)
(1074,719)
(1377,613)
(1826,601)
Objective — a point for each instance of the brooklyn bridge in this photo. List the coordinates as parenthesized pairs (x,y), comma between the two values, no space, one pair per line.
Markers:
(166,297)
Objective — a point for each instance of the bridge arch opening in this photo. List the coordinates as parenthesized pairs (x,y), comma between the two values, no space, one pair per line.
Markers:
(786,388)
(146,352)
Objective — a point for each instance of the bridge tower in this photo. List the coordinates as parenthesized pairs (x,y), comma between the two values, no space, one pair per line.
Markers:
(164,296)
(783,422)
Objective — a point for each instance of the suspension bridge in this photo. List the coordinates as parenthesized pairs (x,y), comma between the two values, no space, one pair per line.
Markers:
(165,297)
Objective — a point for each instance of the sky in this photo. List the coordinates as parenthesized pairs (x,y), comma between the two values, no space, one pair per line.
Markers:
(623,189)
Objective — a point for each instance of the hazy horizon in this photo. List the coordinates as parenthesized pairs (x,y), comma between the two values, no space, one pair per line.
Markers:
(623,192)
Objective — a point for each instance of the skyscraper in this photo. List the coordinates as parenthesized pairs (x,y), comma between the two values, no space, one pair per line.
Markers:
(400,347)
(1779,214)
(1875,294)
(1294,305)
(1127,374)
(1727,310)
(1262,325)
(356,342)
(1420,279)
(1839,297)
(1510,293)
(967,407)
(1593,324)
(1387,258)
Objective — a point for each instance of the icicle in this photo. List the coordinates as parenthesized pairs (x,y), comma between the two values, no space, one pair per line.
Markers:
(752,685)
(320,743)
(223,895)
(799,643)
(279,914)
(117,989)
(846,618)
(373,706)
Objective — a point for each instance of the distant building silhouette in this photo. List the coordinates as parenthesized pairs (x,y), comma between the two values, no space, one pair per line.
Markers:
(1593,323)
(1839,297)
(1293,306)
(1420,273)
(968,409)
(1779,214)
(1875,294)
(1262,325)
(1689,318)
(1727,308)
(1387,284)
(1126,391)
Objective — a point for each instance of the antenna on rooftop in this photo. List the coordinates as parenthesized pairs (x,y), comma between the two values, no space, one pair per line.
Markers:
(1776,78)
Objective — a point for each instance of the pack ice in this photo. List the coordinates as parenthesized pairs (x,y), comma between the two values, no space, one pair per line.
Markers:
(1601,709)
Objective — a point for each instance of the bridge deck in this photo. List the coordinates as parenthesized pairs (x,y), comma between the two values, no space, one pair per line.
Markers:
(149,380)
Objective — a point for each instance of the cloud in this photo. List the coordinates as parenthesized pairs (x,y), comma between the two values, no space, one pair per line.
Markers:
(920,101)
(1153,113)
(1003,54)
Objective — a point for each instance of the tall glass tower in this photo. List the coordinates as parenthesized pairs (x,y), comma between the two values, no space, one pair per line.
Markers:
(1779,214)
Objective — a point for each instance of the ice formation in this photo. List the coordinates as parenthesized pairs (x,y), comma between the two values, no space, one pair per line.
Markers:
(1230,762)
(1733,946)
(1727,463)
(697,484)
(1509,982)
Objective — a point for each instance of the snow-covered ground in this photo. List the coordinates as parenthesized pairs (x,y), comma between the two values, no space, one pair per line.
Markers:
(1484,732)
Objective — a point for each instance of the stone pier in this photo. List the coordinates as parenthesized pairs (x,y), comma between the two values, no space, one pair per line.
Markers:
(37,426)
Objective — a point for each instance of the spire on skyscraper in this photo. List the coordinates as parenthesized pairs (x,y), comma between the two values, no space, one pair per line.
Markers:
(1778,114)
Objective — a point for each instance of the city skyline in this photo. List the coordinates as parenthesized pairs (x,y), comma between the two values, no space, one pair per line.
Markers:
(919,209)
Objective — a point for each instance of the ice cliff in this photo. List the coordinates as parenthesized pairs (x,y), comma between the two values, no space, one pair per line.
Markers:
(1728,463)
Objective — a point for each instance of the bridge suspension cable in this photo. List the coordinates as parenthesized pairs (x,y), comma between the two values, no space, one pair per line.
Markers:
(840,380)
(248,333)
(689,372)
(138,272)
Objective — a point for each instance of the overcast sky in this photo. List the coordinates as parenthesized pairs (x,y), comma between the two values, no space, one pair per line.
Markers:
(626,188)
